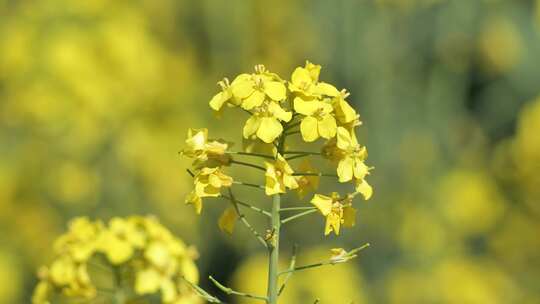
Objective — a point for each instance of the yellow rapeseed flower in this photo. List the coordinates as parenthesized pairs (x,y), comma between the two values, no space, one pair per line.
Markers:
(207,183)
(279,176)
(227,220)
(306,85)
(220,99)
(318,120)
(265,122)
(253,89)
(337,211)
(307,183)
(352,161)
(205,152)
(137,246)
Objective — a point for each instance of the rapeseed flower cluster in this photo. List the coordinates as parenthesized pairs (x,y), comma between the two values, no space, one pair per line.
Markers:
(276,109)
(138,256)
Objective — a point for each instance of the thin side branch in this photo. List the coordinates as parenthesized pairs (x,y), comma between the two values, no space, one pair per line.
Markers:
(249,206)
(248,184)
(291,266)
(302,152)
(333,261)
(250,154)
(296,208)
(248,165)
(297,156)
(202,293)
(299,215)
(230,291)
(245,221)
(314,174)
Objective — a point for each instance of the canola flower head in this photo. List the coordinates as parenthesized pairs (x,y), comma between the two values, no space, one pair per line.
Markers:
(138,252)
(276,109)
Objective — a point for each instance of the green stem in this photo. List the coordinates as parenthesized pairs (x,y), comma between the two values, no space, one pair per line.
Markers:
(230,291)
(299,215)
(296,208)
(273,248)
(248,184)
(314,174)
(248,165)
(291,266)
(264,212)
(250,154)
(302,152)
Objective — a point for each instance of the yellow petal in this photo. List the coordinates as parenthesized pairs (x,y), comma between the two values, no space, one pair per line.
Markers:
(323,203)
(193,199)
(345,169)
(327,126)
(306,107)
(158,254)
(254,100)
(251,126)
(275,90)
(349,217)
(364,188)
(147,281)
(344,112)
(269,129)
(309,129)
(300,76)
(278,112)
(227,220)
(314,70)
(360,169)
(323,88)
(333,222)
(243,88)
(343,138)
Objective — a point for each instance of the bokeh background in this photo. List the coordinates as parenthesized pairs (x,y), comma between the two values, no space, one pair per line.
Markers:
(96,97)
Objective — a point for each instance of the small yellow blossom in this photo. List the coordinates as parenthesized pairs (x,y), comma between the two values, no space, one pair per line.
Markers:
(252,89)
(343,111)
(305,83)
(227,220)
(318,120)
(352,162)
(220,99)
(307,183)
(361,186)
(193,199)
(265,122)
(209,181)
(337,211)
(205,152)
(279,176)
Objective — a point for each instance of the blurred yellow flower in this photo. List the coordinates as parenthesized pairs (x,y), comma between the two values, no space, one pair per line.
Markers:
(279,176)
(209,181)
(228,219)
(307,183)
(137,246)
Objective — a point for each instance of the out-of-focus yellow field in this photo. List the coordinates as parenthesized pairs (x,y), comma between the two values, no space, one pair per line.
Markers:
(96,97)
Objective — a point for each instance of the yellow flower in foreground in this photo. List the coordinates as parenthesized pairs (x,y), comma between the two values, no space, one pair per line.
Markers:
(252,89)
(134,245)
(307,183)
(279,176)
(352,162)
(265,122)
(305,82)
(203,150)
(318,120)
(337,211)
